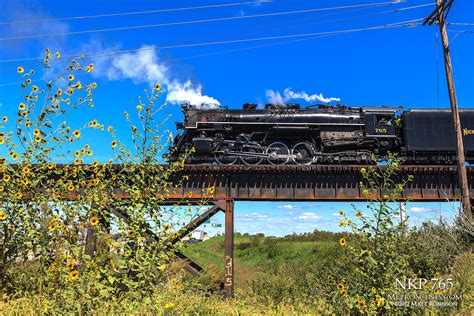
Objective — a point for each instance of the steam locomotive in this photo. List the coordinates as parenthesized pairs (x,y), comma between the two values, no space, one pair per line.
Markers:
(320,134)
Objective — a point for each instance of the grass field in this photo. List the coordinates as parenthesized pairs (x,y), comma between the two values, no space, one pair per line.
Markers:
(255,255)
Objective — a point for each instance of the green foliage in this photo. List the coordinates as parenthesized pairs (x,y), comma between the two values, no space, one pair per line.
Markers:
(79,236)
(56,219)
(381,250)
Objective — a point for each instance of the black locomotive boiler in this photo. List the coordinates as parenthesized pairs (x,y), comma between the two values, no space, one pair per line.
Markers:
(319,134)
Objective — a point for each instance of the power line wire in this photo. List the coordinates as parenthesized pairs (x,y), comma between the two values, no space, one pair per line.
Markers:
(194,21)
(460,24)
(109,53)
(283,42)
(134,13)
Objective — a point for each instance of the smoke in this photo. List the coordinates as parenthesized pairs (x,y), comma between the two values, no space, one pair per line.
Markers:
(187,92)
(145,66)
(276,98)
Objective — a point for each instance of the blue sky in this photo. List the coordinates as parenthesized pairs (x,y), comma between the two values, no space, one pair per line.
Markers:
(389,66)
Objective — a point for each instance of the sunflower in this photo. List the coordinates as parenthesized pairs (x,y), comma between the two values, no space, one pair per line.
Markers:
(53,226)
(70,264)
(57,54)
(4,119)
(24,114)
(379,301)
(20,70)
(36,132)
(94,85)
(158,86)
(34,88)
(28,81)
(340,286)
(341,212)
(359,214)
(343,292)
(22,106)
(361,304)
(3,215)
(166,228)
(70,187)
(114,144)
(139,108)
(94,220)
(73,275)
(365,192)
(77,133)
(342,242)
(2,140)
(70,77)
(2,188)
(342,223)
(6,177)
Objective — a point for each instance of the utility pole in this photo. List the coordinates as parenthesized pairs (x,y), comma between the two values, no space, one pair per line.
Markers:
(439,15)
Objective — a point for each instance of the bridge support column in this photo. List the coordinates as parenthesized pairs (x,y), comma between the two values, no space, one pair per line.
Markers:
(403,216)
(229,249)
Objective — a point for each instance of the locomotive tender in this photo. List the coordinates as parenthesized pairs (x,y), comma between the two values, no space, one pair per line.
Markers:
(320,134)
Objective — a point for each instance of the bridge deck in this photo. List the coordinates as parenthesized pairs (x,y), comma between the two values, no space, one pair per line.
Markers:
(312,183)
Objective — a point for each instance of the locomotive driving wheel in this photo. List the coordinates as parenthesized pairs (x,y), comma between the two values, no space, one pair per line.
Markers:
(252,148)
(278,153)
(223,156)
(302,153)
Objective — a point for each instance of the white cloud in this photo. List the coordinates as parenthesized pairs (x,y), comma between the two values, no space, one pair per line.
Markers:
(276,98)
(291,207)
(336,214)
(309,216)
(144,66)
(421,210)
(251,217)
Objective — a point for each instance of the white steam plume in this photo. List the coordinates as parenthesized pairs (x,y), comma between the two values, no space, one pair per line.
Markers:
(144,66)
(187,92)
(276,98)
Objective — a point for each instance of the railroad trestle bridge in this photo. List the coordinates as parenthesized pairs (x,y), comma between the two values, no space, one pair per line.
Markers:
(310,183)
